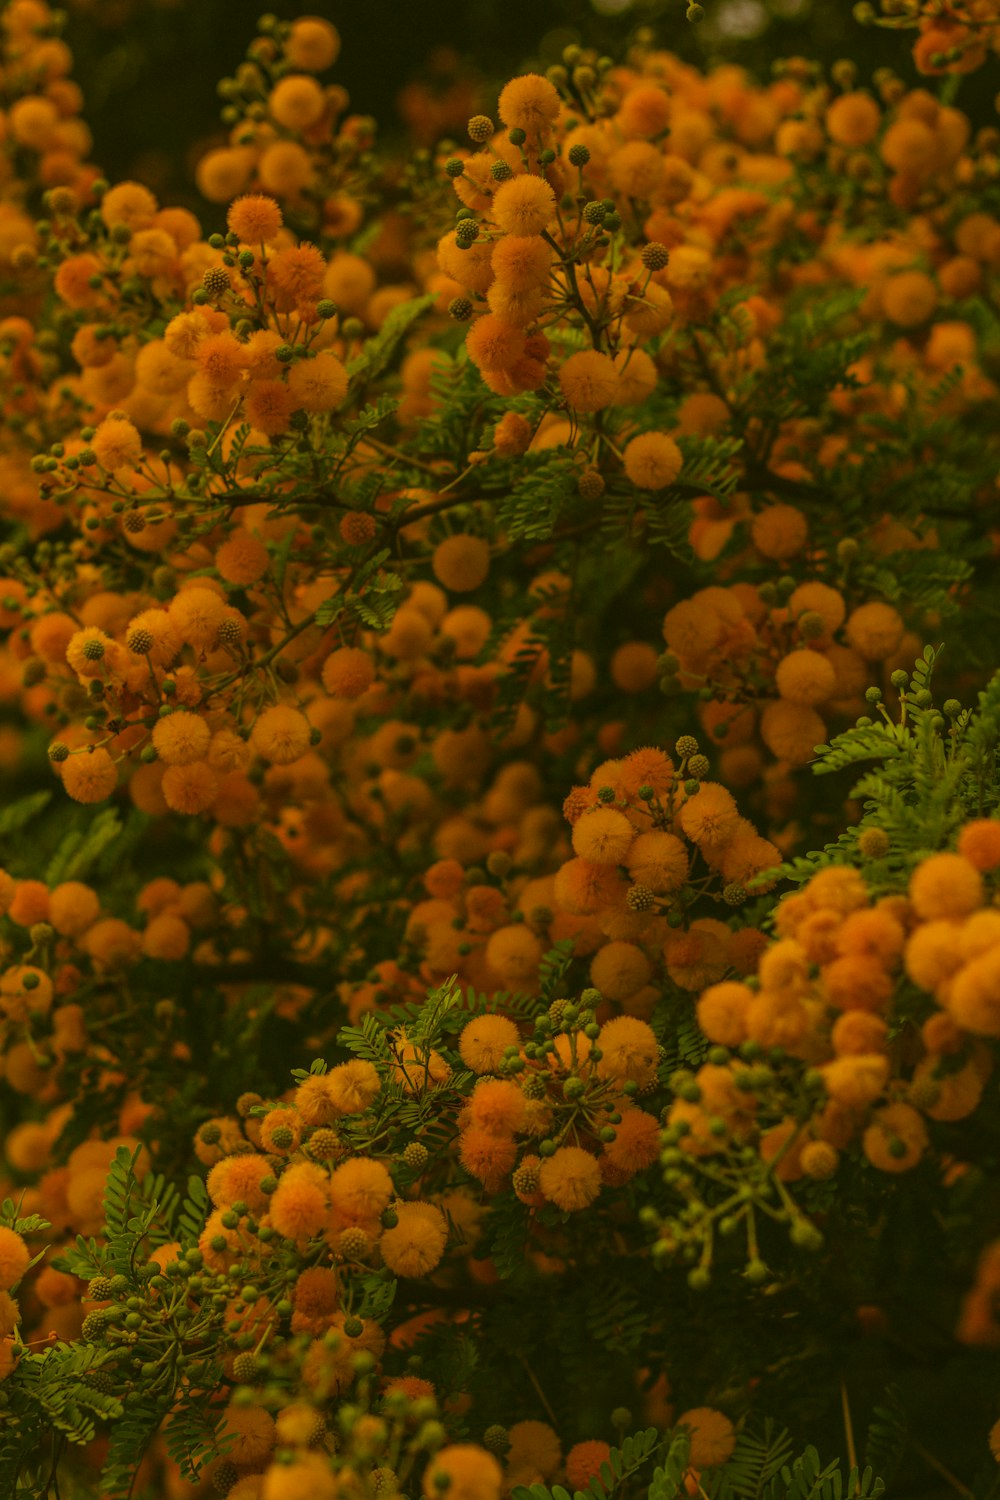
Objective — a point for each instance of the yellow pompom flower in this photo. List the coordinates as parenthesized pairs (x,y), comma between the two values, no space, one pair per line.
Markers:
(248,1432)
(630,1050)
(14,1258)
(281,735)
(484,1041)
(348,672)
(472,1474)
(713,1436)
(602,836)
(415,1245)
(300,1203)
(90,776)
(523,205)
(461,563)
(320,384)
(529,103)
(589,381)
(255,218)
(181,738)
(570,1178)
(653,461)
(117,444)
(191,788)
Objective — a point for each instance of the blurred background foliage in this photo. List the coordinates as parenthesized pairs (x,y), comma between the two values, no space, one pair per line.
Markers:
(150,68)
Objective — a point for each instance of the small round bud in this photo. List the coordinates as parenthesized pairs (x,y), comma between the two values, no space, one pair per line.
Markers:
(216,281)
(874,843)
(640,898)
(590,484)
(480,128)
(654,256)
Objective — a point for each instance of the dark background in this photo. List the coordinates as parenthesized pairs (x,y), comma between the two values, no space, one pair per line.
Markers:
(149,68)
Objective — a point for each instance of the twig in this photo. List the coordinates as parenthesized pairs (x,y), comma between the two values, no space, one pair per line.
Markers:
(852,1453)
(935,1463)
(538,1391)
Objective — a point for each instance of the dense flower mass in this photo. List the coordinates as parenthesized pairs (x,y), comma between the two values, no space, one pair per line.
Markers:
(507,623)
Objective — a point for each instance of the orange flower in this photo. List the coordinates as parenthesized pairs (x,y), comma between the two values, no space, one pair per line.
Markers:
(529,103)
(498,1106)
(73,907)
(494,345)
(14,1258)
(242,559)
(710,817)
(268,406)
(484,1041)
(805,676)
(713,1436)
(945,885)
(570,1178)
(190,788)
(298,1207)
(320,384)
(875,630)
(979,843)
(247,1433)
(281,735)
(523,205)
(514,953)
(779,531)
(589,381)
(722,1013)
(896,1139)
(313,44)
(487,1156)
(583,1462)
(630,1050)
(255,218)
(181,738)
(90,777)
(360,1189)
(470,1474)
(652,461)
(619,970)
(853,119)
(603,836)
(461,563)
(636,1144)
(117,444)
(237,1179)
(415,1245)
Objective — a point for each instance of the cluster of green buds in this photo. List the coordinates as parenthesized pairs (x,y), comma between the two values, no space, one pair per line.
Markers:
(737,1183)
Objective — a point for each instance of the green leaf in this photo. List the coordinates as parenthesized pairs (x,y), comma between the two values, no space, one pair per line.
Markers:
(378,352)
(80,850)
(17,815)
(194,1211)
